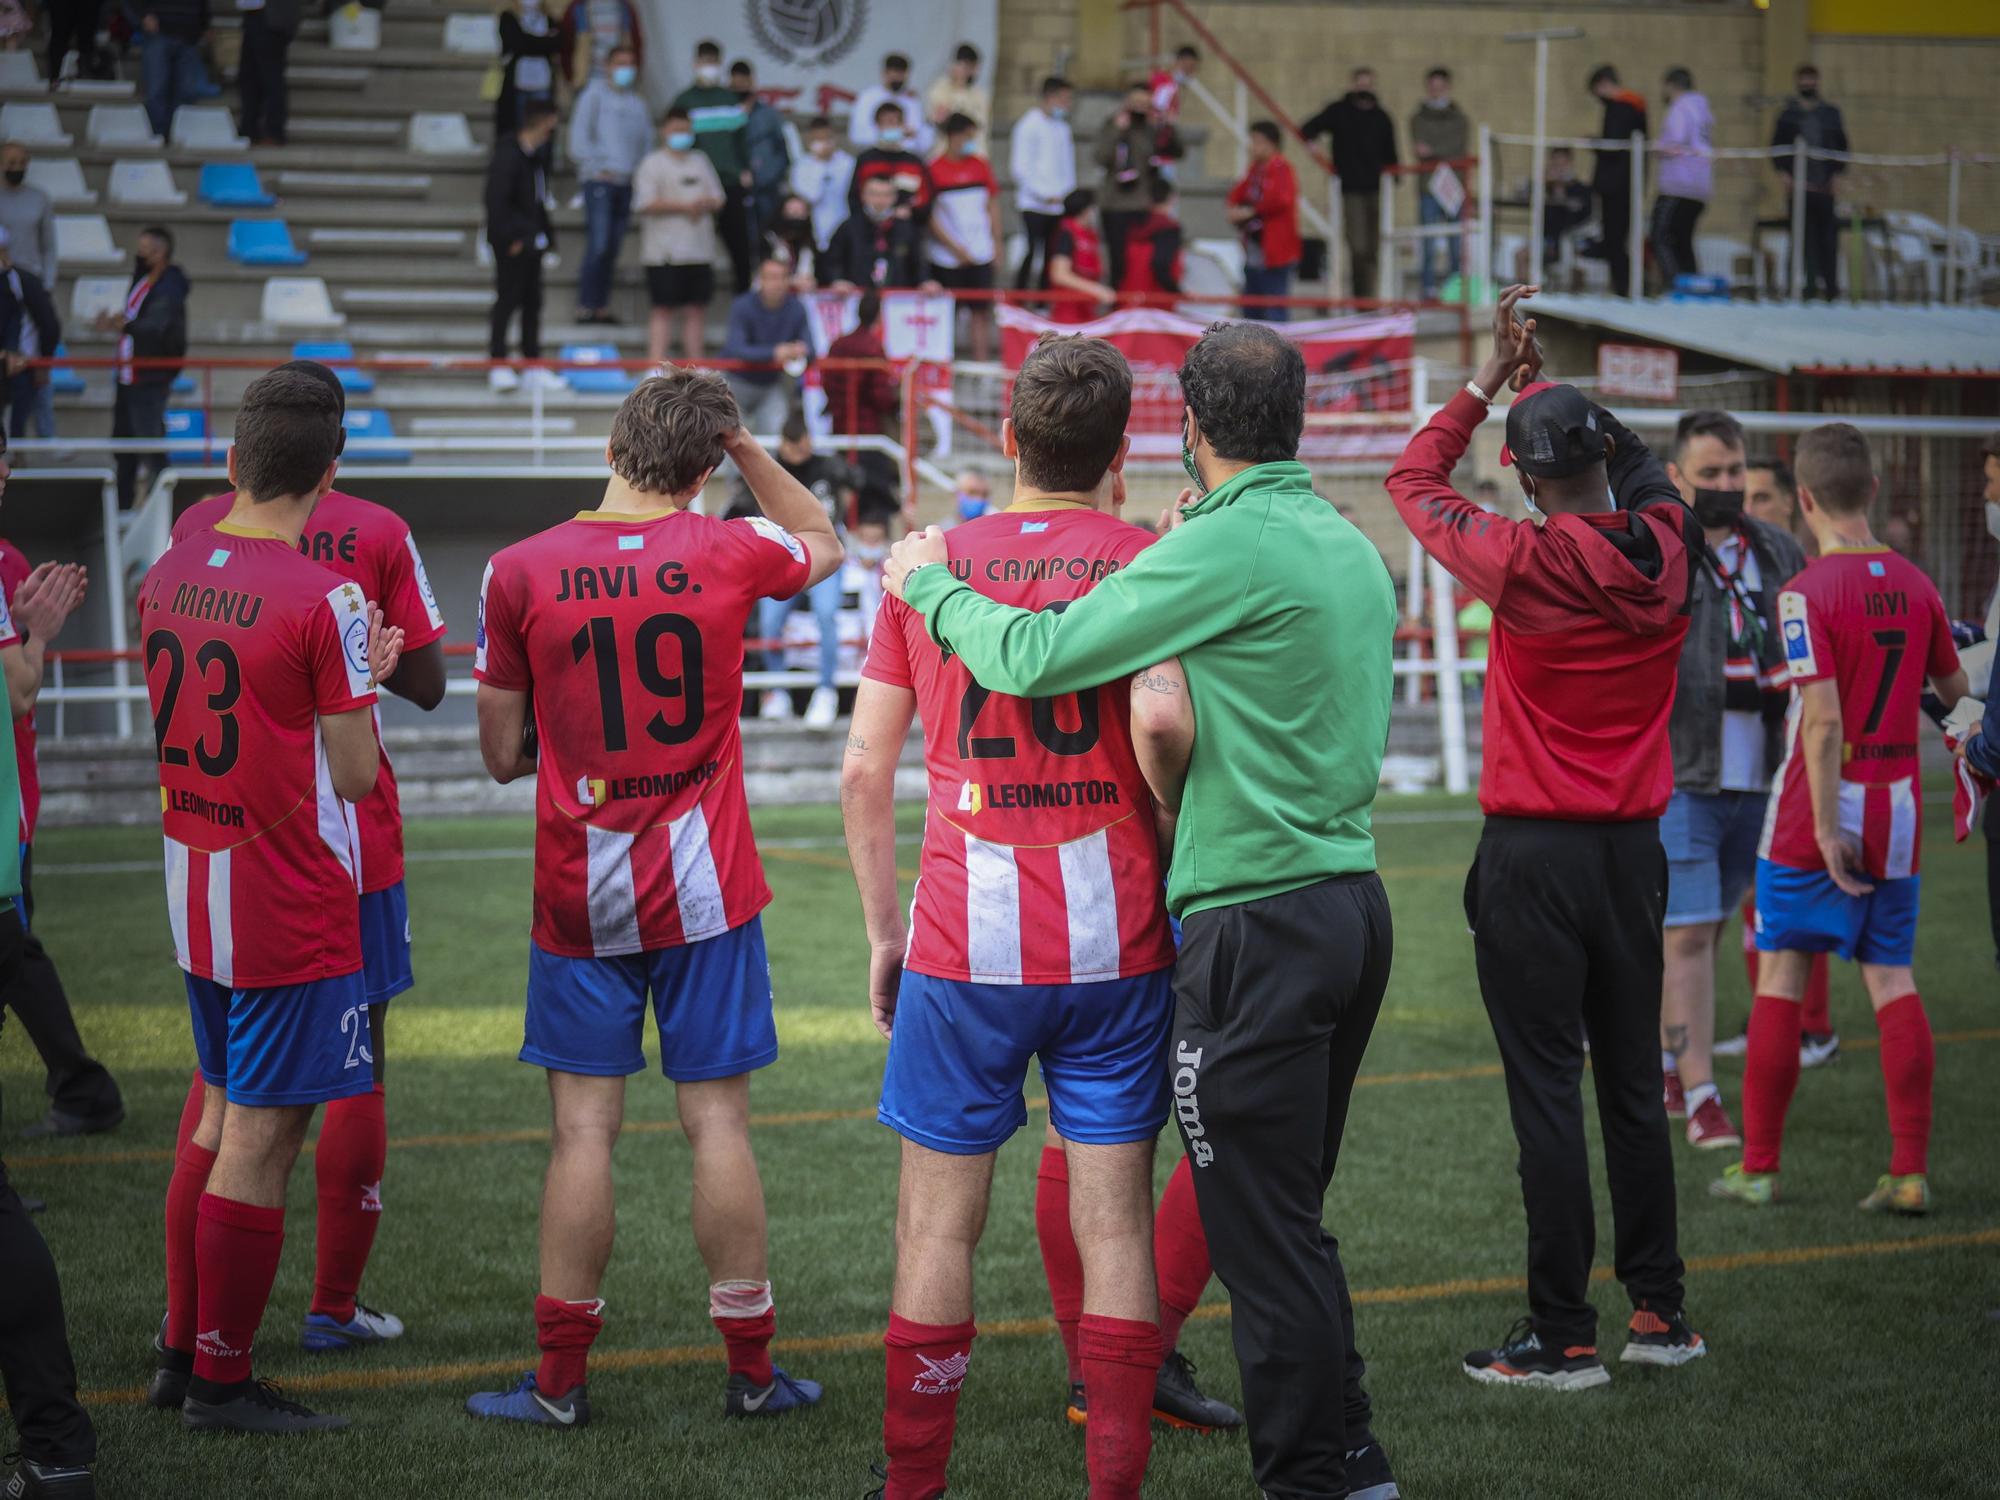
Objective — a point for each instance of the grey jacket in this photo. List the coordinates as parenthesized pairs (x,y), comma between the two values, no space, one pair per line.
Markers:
(1695,727)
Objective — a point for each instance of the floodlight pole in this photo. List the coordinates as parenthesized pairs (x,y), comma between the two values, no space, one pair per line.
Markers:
(1537,189)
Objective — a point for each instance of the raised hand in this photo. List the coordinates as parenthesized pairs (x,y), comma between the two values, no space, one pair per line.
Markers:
(385,646)
(48,596)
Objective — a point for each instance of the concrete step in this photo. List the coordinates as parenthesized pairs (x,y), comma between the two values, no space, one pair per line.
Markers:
(390,241)
(348,187)
(346,130)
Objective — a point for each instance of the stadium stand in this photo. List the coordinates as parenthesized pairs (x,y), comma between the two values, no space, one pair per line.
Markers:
(148,184)
(119,127)
(61,177)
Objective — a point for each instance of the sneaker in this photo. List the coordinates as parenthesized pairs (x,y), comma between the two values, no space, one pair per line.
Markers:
(1756,1189)
(1178,1401)
(777,704)
(783,1394)
(37,1481)
(1522,1359)
(822,708)
(539,379)
(1077,1409)
(1709,1128)
(524,1403)
(501,379)
(1676,1101)
(1734,1046)
(1655,1340)
(1909,1194)
(60,1122)
(325,1333)
(1368,1475)
(169,1385)
(254,1406)
(1816,1049)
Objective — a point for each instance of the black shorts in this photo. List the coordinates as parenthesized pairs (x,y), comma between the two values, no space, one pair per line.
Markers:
(680,286)
(963,278)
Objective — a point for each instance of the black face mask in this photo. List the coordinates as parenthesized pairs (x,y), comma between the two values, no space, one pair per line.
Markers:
(141,266)
(15,179)
(1718,507)
(1809,91)
(1140,117)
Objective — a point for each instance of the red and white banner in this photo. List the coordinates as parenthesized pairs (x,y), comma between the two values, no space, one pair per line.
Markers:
(1357,376)
(915,325)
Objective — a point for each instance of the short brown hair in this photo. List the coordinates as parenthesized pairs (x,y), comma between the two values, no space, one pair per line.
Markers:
(287,435)
(1833,462)
(1072,400)
(670,431)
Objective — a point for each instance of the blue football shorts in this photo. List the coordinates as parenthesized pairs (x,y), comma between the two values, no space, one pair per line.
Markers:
(1803,911)
(292,1044)
(385,942)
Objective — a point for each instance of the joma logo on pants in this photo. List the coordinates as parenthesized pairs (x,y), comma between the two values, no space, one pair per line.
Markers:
(1187,1106)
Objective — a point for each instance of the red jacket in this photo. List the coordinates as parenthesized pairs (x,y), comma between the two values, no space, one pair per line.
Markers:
(1588,615)
(1153,245)
(1272,189)
(859,401)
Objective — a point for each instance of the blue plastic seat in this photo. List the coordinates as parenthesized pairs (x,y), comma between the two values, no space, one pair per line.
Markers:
(63,380)
(589,382)
(187,437)
(263,242)
(183,385)
(233,184)
(371,422)
(358,382)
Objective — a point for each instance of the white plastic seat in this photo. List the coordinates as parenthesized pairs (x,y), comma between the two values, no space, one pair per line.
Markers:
(354,28)
(61,177)
(299,302)
(85,240)
(441,133)
(33,125)
(206,127)
(119,127)
(476,34)
(145,182)
(19,70)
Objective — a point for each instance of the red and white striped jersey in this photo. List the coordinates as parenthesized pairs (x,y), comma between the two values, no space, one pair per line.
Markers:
(247,645)
(1872,622)
(1040,862)
(371,545)
(627,630)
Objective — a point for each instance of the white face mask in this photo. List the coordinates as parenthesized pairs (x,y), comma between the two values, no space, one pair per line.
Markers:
(1993,519)
(708,75)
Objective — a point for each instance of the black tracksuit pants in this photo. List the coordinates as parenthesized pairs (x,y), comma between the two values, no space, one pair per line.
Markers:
(78,1084)
(1566,922)
(1276,1000)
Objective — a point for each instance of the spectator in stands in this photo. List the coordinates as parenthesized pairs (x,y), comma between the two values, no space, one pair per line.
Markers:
(1076,262)
(528,47)
(959,92)
(677,193)
(821,177)
(972,496)
(520,233)
(880,246)
(720,129)
(29,329)
(769,157)
(609,132)
(171,33)
(768,329)
(152,325)
(1041,156)
(1686,176)
(1168,82)
(864,126)
(592,30)
(1264,207)
(1611,180)
(1809,118)
(835,483)
(865,401)
(1363,138)
(965,226)
(268,29)
(1439,133)
(1771,495)
(1153,248)
(27,215)
(1130,146)
(790,239)
(1565,205)
(889,157)
(72,32)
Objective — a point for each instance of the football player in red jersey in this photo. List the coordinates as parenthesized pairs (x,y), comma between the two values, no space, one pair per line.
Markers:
(622,631)
(1837,868)
(371,545)
(261,668)
(1039,929)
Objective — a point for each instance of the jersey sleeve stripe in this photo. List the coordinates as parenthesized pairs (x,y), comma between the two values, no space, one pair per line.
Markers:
(993,913)
(335,815)
(350,624)
(424,585)
(1092,899)
(479,629)
(697,886)
(613,898)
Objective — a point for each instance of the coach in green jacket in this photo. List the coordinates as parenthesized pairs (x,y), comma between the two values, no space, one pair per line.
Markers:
(1283,616)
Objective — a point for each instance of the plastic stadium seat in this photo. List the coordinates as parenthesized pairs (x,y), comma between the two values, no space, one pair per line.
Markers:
(354,28)
(205,127)
(187,434)
(19,70)
(61,177)
(63,380)
(299,302)
(233,184)
(145,184)
(263,242)
(612,382)
(477,34)
(91,295)
(85,240)
(34,125)
(356,382)
(441,133)
(119,127)
(371,422)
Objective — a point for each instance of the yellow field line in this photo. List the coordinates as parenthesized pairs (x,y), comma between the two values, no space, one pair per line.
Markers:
(466,1371)
(529,1135)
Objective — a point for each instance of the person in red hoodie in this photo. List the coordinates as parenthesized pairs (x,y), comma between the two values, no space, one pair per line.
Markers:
(1568,888)
(1153,253)
(1264,207)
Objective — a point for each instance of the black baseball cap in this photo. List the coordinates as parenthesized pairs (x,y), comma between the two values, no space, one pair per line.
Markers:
(1552,432)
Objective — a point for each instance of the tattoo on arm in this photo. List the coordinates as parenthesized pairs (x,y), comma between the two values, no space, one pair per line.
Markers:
(1677,1039)
(856,745)
(1156,682)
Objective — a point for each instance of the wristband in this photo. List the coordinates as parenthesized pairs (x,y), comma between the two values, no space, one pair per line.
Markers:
(1472,389)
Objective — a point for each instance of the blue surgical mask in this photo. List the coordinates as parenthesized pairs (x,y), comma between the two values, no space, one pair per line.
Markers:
(624,76)
(892,135)
(681,140)
(972,507)
(1056,112)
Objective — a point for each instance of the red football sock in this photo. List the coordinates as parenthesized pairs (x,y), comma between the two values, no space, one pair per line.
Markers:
(190,1112)
(1060,1262)
(564,1331)
(745,1317)
(1813,1012)
(1180,1255)
(1770,1074)
(184,1192)
(926,1367)
(1121,1363)
(353,1145)
(1908,1059)
(236,1253)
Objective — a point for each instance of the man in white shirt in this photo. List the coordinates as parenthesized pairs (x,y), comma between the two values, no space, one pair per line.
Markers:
(1042,158)
(893,89)
(820,176)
